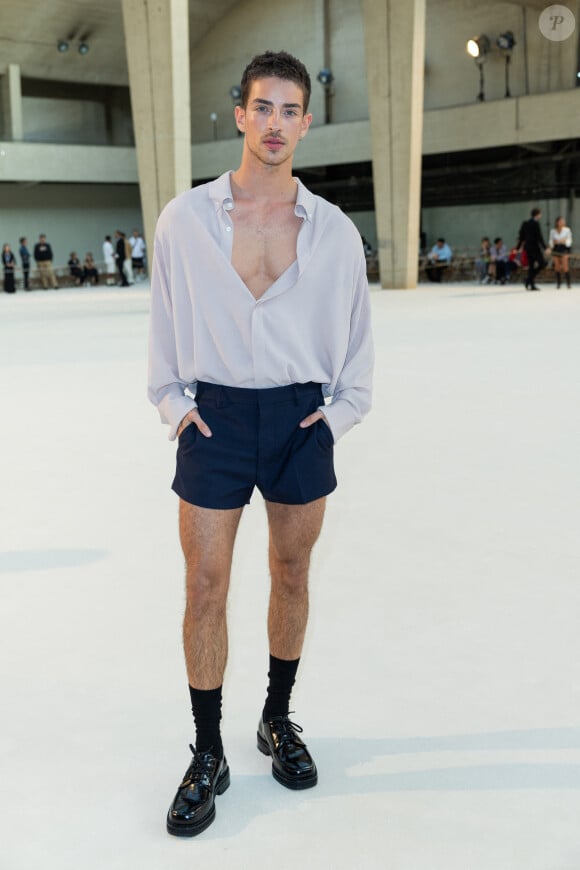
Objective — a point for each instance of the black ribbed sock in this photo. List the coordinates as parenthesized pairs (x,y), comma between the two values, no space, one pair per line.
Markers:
(281,679)
(206,706)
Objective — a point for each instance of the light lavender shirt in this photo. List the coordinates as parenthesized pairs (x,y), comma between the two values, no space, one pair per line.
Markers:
(312,324)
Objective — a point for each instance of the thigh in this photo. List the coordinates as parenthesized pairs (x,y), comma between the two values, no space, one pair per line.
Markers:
(294,528)
(207,537)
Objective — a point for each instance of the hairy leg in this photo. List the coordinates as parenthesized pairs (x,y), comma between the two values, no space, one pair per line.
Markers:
(207,539)
(294,529)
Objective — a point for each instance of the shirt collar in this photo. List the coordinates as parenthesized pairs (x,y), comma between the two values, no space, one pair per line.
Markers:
(220,192)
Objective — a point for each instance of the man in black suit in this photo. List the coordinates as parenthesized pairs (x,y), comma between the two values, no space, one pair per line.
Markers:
(120,256)
(531,240)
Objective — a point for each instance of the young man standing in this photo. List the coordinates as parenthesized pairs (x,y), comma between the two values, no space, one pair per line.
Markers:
(260,309)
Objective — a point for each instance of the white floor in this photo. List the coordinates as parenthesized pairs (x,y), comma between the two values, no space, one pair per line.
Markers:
(440,689)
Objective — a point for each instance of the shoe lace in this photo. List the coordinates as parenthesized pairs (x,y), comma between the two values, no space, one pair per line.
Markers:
(200,766)
(286,730)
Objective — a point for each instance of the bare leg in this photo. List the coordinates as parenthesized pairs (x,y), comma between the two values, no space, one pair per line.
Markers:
(207,539)
(294,529)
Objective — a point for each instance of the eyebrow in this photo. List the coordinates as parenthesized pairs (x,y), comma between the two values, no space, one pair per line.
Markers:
(270,103)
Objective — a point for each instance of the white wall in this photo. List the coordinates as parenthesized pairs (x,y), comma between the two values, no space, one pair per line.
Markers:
(75,121)
(73,216)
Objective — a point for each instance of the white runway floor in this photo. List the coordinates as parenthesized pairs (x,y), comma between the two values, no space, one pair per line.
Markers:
(440,685)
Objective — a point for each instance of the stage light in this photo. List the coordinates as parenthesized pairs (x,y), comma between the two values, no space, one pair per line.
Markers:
(325,77)
(506,41)
(478,47)
(83,48)
(236,93)
(62,46)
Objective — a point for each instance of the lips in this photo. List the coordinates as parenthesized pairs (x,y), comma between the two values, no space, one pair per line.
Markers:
(274,143)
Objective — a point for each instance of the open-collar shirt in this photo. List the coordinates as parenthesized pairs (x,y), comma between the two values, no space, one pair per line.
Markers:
(312,324)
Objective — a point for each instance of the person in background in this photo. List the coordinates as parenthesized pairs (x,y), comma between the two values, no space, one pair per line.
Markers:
(127,262)
(138,255)
(532,242)
(8,264)
(120,256)
(43,257)
(25,260)
(483,261)
(109,258)
(74,265)
(439,259)
(561,246)
(90,272)
(500,258)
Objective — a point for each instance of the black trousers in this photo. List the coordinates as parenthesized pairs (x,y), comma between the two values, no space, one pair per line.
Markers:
(124,282)
(536,263)
(9,281)
(25,274)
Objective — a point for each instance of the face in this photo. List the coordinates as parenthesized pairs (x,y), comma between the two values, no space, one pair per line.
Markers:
(560,223)
(273,120)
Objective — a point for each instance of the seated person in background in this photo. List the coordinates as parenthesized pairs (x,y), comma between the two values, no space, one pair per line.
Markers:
(90,273)
(500,260)
(74,265)
(514,261)
(439,258)
(483,261)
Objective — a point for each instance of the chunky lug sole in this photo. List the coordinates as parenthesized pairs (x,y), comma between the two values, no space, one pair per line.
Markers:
(292,782)
(191,829)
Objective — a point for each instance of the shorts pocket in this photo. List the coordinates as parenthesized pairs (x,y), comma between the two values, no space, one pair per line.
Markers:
(324,434)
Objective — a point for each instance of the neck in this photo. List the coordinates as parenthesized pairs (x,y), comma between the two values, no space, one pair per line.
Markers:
(258,181)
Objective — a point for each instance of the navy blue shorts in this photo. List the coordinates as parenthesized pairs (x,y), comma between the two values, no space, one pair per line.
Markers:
(256,441)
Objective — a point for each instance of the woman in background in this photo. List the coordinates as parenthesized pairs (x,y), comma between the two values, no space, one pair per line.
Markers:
(9,264)
(561,245)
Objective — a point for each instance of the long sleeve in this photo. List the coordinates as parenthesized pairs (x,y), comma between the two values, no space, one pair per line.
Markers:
(352,395)
(165,388)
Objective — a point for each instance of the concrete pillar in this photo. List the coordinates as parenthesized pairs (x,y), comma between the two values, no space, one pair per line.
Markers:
(157,42)
(12,103)
(395,52)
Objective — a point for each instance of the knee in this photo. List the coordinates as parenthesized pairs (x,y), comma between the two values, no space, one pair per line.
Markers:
(290,574)
(206,591)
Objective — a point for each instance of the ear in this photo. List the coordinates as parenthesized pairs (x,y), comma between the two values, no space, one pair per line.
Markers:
(306,122)
(240,116)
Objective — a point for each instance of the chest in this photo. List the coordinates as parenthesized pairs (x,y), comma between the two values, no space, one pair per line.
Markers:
(264,244)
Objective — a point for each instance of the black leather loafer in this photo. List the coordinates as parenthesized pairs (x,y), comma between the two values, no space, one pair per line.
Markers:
(292,764)
(193,807)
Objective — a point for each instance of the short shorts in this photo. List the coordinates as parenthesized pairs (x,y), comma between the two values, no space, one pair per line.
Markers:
(256,442)
(137,262)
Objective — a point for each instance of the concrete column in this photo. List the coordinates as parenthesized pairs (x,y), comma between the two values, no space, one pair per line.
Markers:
(395,52)
(157,42)
(12,103)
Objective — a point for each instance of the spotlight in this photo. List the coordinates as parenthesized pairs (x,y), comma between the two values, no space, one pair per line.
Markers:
(62,46)
(478,47)
(83,48)
(325,77)
(506,41)
(235,93)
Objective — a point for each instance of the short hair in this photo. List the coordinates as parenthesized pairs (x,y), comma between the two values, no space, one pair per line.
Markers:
(107,238)
(279,65)
(22,239)
(499,239)
(536,211)
(42,236)
(441,240)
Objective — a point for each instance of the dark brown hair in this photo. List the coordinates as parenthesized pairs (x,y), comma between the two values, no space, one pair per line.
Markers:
(280,65)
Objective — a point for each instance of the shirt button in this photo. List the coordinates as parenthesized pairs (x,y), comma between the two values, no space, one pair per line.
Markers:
(228,229)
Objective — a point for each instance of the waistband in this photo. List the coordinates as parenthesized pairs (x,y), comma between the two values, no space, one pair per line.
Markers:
(251,396)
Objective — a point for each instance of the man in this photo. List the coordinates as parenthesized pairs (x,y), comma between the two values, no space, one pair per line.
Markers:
(531,241)
(43,257)
(500,261)
(137,255)
(25,260)
(120,256)
(439,259)
(259,309)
